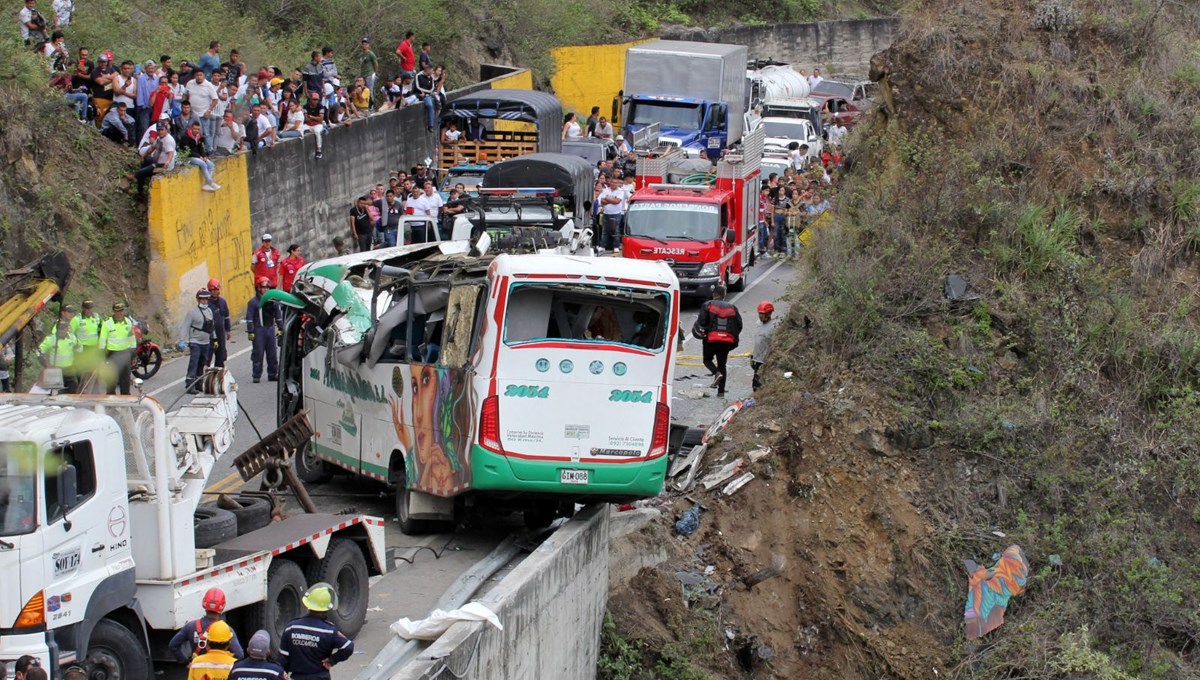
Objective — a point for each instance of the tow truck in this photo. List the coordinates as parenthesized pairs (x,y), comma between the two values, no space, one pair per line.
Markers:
(706,231)
(105,547)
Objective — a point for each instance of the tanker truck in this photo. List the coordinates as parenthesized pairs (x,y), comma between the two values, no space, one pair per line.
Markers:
(775,81)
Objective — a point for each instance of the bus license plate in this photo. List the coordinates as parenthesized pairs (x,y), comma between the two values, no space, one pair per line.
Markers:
(574,476)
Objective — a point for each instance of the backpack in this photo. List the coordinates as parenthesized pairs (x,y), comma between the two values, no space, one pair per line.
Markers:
(724,323)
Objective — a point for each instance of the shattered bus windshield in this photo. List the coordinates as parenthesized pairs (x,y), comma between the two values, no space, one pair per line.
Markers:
(538,312)
(18,488)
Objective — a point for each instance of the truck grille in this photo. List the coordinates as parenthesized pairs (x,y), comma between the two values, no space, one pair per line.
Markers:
(686,269)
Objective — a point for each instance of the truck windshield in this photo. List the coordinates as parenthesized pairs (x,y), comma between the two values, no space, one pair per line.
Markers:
(18,488)
(600,314)
(669,115)
(664,220)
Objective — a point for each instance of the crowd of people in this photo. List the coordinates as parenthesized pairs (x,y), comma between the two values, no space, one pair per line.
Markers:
(193,111)
(788,204)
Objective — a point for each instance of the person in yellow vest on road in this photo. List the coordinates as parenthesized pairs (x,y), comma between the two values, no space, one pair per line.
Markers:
(117,341)
(86,329)
(58,351)
(217,661)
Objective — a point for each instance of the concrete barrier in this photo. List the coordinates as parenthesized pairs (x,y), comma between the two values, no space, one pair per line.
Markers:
(551,606)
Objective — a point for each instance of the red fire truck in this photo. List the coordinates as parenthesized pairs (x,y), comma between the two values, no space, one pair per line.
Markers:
(707,231)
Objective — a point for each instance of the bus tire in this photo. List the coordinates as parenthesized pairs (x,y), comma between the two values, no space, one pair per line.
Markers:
(408,525)
(285,588)
(344,568)
(692,438)
(115,652)
(214,525)
(311,469)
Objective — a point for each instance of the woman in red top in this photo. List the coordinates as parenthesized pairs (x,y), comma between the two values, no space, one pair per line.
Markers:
(161,97)
(290,265)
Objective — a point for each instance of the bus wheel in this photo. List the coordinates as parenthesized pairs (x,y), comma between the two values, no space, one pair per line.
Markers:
(408,525)
(540,516)
(115,652)
(310,468)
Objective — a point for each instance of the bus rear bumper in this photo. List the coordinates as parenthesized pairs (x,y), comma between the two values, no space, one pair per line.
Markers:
(493,472)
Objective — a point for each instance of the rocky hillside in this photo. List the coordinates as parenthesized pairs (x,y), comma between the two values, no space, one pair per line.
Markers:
(1044,153)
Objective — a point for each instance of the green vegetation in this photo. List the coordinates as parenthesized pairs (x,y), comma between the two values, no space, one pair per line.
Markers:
(628,658)
(1067,396)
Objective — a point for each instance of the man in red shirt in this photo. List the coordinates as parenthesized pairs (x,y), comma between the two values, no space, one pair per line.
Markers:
(264,263)
(408,58)
(290,266)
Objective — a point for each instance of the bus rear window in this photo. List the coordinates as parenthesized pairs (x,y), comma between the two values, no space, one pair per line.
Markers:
(578,313)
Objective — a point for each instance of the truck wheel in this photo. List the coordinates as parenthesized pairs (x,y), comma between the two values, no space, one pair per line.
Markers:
(115,653)
(285,589)
(254,513)
(741,282)
(310,468)
(345,568)
(408,525)
(214,525)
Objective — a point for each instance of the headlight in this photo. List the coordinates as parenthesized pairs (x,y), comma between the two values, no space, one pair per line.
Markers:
(709,269)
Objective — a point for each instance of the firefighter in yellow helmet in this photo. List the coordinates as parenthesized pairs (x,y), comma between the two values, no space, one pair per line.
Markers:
(312,644)
(217,661)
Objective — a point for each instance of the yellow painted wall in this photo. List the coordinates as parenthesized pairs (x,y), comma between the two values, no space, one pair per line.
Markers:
(196,235)
(589,75)
(521,80)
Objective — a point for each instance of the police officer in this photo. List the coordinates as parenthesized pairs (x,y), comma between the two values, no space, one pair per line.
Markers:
(58,351)
(257,665)
(190,639)
(199,328)
(718,326)
(216,663)
(117,341)
(264,322)
(311,645)
(86,328)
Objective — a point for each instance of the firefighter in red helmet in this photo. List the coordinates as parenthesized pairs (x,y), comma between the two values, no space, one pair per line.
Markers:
(192,639)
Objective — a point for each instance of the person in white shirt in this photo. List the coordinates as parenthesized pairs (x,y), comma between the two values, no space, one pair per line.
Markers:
(230,135)
(837,132)
(157,150)
(798,155)
(203,96)
(815,79)
(268,134)
(604,129)
(63,9)
(612,214)
(33,24)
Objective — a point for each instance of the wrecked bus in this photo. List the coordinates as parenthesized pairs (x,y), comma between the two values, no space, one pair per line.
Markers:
(530,381)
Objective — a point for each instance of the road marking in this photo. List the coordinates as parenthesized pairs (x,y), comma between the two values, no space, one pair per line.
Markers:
(173,383)
(752,284)
(230,483)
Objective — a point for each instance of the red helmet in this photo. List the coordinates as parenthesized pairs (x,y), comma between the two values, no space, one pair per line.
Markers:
(263,281)
(214,600)
(214,283)
(765,307)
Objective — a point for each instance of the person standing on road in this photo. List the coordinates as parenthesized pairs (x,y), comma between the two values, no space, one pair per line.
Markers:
(762,340)
(257,665)
(118,342)
(361,228)
(58,351)
(223,324)
(86,327)
(612,212)
(264,323)
(290,266)
(264,262)
(217,661)
(718,326)
(191,639)
(311,645)
(199,329)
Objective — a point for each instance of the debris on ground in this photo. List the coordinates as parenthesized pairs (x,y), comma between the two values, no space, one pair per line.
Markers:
(758,454)
(733,487)
(991,589)
(721,475)
(689,522)
(777,565)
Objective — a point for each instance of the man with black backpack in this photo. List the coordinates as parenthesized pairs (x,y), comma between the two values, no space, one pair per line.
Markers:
(718,326)
(33,24)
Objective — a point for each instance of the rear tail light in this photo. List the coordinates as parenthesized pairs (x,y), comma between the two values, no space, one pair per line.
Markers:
(662,428)
(33,614)
(489,425)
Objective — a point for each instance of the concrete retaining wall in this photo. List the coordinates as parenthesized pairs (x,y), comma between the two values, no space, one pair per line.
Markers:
(551,606)
(834,46)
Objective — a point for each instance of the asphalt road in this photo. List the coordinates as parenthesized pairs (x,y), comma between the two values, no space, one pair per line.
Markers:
(426,566)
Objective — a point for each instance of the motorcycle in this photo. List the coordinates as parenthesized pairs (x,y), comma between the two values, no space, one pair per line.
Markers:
(147,357)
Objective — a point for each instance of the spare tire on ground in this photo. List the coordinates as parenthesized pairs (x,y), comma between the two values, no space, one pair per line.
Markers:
(213,526)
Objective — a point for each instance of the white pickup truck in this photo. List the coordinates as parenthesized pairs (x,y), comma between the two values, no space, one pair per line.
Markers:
(98,534)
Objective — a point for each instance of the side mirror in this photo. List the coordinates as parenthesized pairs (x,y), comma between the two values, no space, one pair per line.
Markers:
(68,488)
(730,236)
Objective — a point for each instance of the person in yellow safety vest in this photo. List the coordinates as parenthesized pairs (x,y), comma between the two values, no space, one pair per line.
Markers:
(58,351)
(117,341)
(217,661)
(86,328)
